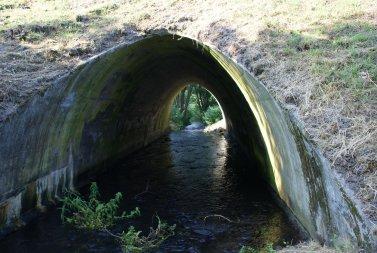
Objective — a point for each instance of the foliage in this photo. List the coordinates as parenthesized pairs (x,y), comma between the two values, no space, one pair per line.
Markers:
(133,242)
(92,213)
(194,104)
(212,115)
(196,114)
(267,249)
(177,118)
(247,249)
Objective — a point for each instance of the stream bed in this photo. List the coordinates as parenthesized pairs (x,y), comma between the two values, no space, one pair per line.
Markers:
(183,178)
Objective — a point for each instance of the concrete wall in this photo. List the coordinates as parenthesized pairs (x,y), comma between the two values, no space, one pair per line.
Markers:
(120,101)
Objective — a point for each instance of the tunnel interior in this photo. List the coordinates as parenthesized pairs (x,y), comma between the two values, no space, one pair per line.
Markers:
(135,102)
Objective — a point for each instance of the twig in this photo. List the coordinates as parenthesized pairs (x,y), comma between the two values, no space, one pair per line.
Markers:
(219,216)
(110,233)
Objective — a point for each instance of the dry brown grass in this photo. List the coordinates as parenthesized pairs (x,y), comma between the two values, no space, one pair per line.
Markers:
(318,58)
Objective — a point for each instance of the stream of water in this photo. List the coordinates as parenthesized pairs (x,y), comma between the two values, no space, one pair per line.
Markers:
(190,175)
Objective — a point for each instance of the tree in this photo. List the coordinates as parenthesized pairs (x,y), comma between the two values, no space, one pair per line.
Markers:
(182,102)
(194,103)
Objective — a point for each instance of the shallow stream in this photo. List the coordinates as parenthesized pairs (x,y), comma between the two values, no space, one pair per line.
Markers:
(182,177)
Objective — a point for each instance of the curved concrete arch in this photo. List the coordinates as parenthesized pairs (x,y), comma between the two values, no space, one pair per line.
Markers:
(120,101)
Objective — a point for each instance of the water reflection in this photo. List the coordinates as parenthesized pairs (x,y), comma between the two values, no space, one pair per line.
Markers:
(190,175)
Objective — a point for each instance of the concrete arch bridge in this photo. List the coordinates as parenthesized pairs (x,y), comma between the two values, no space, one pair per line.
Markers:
(120,101)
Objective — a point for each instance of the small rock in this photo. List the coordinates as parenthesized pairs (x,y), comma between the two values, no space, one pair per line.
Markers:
(195,126)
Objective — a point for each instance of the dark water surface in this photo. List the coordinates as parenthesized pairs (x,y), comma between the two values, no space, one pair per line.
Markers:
(190,175)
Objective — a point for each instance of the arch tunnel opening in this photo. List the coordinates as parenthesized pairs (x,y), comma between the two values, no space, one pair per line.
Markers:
(120,102)
(145,84)
(195,108)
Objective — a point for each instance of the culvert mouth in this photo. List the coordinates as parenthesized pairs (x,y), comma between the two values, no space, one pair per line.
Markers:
(120,102)
(201,182)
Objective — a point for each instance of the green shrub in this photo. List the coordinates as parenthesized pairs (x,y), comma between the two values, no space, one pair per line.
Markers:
(133,242)
(248,249)
(213,114)
(92,213)
(177,119)
(191,104)
(196,115)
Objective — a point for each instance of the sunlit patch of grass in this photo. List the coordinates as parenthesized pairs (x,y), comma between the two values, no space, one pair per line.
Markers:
(6,6)
(301,42)
(104,10)
(343,55)
(37,32)
(353,51)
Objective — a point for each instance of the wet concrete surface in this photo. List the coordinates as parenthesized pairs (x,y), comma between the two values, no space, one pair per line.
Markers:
(189,175)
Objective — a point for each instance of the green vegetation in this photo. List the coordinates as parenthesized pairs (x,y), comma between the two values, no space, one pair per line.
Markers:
(104,10)
(248,249)
(93,214)
(132,241)
(343,55)
(267,249)
(194,104)
(212,115)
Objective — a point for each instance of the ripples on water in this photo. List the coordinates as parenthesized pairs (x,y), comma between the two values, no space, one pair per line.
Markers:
(190,175)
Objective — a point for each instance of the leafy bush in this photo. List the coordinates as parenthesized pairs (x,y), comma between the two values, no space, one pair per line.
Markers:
(191,104)
(133,242)
(247,249)
(177,118)
(196,115)
(213,114)
(92,213)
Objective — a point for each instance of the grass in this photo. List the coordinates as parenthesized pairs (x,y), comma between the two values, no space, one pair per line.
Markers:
(344,55)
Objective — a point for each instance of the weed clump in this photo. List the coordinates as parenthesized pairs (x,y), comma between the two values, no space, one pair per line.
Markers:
(133,242)
(267,249)
(93,214)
